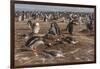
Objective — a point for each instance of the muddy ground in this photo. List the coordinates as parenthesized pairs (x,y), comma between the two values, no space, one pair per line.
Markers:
(83,51)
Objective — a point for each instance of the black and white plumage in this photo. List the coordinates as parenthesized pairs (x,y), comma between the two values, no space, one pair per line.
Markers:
(53,30)
(80,23)
(70,40)
(34,27)
(30,25)
(34,42)
(20,18)
(65,40)
(53,53)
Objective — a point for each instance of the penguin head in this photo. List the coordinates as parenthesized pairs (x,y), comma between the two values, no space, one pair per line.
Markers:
(37,24)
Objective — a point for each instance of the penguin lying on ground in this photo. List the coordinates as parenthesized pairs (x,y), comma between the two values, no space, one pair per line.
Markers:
(53,53)
(33,43)
(68,39)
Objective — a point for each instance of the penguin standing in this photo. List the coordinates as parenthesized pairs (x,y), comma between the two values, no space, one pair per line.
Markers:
(25,16)
(20,18)
(30,25)
(90,24)
(80,23)
(34,27)
(22,15)
(69,27)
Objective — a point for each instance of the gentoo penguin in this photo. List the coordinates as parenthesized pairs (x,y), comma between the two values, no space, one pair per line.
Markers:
(80,23)
(70,40)
(69,27)
(20,18)
(36,28)
(53,30)
(30,25)
(33,43)
(53,53)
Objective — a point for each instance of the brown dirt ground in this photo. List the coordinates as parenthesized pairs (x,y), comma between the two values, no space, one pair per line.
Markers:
(80,52)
